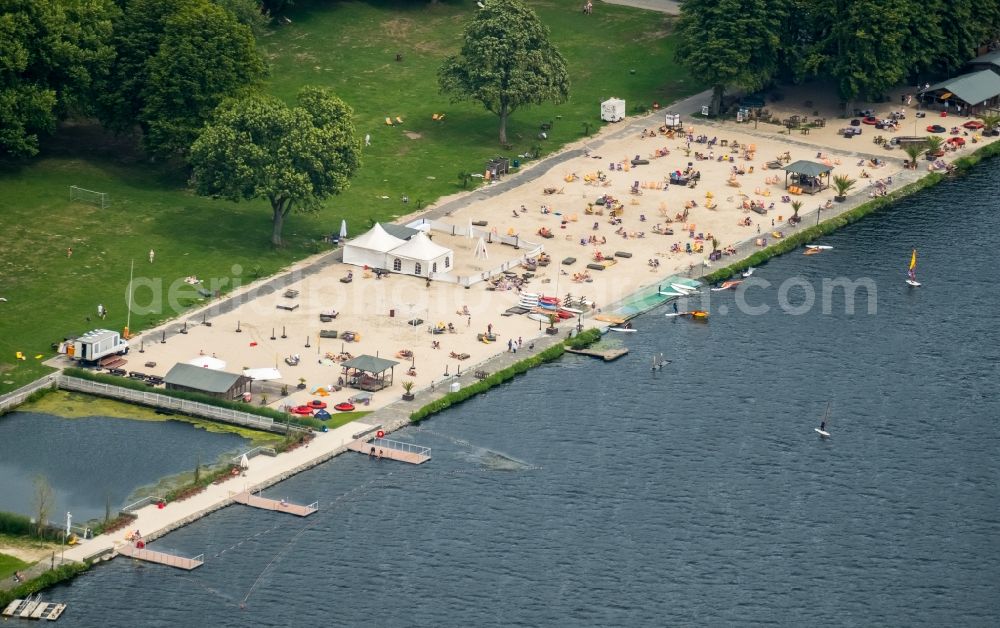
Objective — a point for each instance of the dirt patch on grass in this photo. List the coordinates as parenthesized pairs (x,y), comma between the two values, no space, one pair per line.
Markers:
(413,135)
(28,550)
(398,27)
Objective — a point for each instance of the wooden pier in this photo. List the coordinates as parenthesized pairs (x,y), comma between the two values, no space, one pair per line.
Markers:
(392,450)
(152,556)
(605,354)
(32,608)
(265,503)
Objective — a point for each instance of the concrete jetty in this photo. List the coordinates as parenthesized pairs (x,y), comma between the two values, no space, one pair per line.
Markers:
(607,355)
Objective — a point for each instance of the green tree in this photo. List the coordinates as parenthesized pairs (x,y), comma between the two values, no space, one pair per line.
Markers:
(248,12)
(295,157)
(51,54)
(730,43)
(44,500)
(506,62)
(867,57)
(205,55)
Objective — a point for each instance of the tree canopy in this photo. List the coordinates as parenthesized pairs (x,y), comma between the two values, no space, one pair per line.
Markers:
(177,60)
(506,62)
(51,54)
(295,157)
(864,46)
(730,43)
(204,56)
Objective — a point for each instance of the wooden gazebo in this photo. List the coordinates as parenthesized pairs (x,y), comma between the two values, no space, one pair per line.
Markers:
(809,176)
(368,372)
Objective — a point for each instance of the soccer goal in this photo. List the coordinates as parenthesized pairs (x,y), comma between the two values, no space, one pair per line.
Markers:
(88,196)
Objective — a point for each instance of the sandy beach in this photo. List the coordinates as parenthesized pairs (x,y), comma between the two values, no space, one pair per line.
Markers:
(562,200)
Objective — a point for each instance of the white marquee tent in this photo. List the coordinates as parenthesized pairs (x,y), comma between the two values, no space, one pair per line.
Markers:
(370,249)
(420,256)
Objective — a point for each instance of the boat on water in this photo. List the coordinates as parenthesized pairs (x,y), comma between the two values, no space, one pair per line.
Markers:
(625,328)
(727,285)
(815,249)
(911,274)
(821,430)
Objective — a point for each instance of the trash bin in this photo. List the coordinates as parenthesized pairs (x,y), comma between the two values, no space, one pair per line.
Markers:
(455,387)
(517,163)
(392,313)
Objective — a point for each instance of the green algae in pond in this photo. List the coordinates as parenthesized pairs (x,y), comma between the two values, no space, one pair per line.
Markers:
(74,405)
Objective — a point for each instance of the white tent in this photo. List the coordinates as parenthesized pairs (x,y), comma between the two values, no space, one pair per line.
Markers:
(208,362)
(420,256)
(343,229)
(263,374)
(370,249)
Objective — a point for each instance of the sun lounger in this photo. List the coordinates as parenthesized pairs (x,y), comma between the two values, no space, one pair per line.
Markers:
(624,254)
(288,306)
(328,333)
(568,261)
(291,294)
(595,266)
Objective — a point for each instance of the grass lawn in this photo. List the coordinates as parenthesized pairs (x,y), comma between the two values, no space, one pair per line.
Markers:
(349,47)
(9,564)
(338,419)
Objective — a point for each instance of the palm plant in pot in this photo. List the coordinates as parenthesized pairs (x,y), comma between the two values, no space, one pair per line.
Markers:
(913,152)
(551,329)
(843,183)
(796,206)
(407,388)
(935,147)
(302,383)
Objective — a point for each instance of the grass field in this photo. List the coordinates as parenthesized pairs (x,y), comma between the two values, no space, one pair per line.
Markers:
(9,564)
(349,47)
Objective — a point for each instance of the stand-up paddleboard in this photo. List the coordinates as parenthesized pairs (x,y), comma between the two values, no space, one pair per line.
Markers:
(822,433)
(535,316)
(819,247)
(679,287)
(915,284)
(672,314)
(571,310)
(669,294)
(748,272)
(623,330)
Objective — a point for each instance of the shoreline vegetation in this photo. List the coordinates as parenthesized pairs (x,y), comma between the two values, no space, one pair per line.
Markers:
(794,241)
(581,340)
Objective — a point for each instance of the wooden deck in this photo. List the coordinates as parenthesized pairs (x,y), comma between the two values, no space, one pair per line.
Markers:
(264,503)
(34,609)
(605,354)
(392,450)
(152,556)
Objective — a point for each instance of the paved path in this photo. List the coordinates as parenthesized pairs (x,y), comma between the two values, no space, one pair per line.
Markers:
(663,6)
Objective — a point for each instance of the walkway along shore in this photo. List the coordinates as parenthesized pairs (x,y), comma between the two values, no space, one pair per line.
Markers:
(264,472)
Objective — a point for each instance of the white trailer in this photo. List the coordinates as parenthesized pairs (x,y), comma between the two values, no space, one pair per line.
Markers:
(672,120)
(96,344)
(613,110)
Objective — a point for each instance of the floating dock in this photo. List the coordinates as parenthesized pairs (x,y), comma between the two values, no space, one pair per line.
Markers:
(392,450)
(32,608)
(605,354)
(265,503)
(152,556)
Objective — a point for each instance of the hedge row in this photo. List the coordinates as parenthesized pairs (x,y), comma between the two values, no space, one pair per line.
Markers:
(583,339)
(44,581)
(14,524)
(281,417)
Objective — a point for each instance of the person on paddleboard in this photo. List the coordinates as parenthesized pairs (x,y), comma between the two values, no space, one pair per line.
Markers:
(675,307)
(822,426)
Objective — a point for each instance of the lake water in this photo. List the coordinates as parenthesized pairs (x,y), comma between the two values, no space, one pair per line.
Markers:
(592,494)
(90,460)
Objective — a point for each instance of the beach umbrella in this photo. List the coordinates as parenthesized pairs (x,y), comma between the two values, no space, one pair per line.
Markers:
(244,462)
(208,362)
(470,229)
(481,252)
(343,229)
